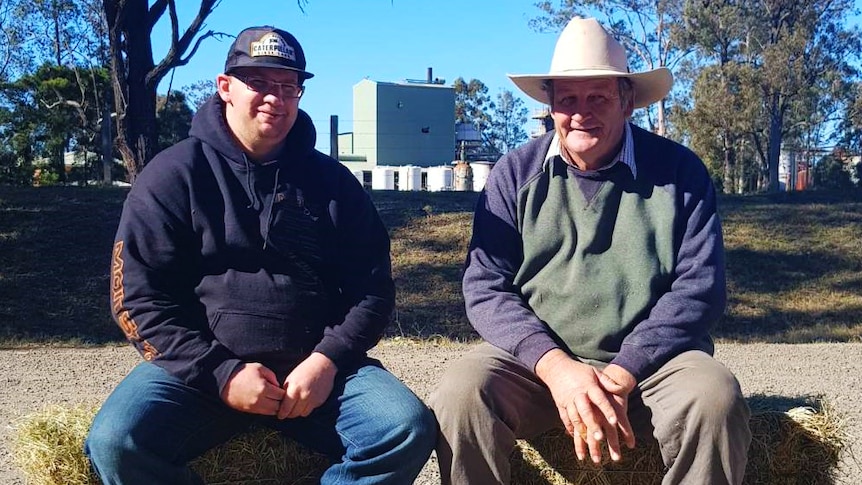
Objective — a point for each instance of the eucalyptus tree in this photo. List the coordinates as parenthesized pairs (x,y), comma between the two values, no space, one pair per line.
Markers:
(473,106)
(135,75)
(59,32)
(851,122)
(508,118)
(771,74)
(722,105)
(649,30)
(805,52)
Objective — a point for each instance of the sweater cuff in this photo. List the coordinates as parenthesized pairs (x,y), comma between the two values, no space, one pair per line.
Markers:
(532,348)
(341,355)
(634,360)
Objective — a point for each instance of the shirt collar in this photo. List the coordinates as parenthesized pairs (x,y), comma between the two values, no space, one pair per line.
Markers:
(626,154)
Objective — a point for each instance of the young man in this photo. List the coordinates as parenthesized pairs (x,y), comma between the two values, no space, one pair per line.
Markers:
(595,271)
(252,272)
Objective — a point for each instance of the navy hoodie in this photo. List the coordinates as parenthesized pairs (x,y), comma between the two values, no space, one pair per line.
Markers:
(219,261)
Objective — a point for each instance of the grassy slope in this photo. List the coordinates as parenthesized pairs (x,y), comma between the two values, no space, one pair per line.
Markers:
(794,265)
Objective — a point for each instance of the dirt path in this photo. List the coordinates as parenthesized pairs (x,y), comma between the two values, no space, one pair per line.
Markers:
(31,379)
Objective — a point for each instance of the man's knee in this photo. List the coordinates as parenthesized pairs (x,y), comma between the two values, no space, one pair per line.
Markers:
(106,447)
(459,393)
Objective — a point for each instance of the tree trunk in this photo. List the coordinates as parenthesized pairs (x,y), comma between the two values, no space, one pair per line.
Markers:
(134,91)
(661,129)
(107,146)
(728,164)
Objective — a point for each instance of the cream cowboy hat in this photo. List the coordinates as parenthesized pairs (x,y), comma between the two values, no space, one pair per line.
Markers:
(586,50)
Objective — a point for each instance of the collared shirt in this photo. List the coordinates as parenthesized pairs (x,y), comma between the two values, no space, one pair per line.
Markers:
(626,154)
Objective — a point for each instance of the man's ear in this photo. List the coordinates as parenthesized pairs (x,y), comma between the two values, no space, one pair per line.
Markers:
(223,86)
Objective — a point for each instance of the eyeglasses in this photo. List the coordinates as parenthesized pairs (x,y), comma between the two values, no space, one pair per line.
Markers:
(261,85)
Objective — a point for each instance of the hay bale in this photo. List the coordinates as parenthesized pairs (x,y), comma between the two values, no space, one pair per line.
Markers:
(799,446)
(48,449)
(48,446)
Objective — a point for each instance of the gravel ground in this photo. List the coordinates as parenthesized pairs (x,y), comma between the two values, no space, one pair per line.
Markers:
(31,379)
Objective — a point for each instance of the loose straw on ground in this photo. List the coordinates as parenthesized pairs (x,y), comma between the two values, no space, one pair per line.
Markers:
(801,446)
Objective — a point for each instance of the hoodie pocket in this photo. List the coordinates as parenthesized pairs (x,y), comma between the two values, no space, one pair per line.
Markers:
(255,335)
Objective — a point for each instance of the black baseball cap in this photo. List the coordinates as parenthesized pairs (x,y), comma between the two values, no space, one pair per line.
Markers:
(266,47)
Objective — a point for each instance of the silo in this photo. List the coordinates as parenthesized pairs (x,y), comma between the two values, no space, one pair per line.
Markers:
(409,178)
(383,178)
(439,179)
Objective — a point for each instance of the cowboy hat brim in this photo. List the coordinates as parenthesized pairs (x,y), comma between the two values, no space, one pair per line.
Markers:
(649,86)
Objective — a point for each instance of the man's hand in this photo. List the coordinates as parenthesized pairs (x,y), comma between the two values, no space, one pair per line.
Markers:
(589,411)
(307,386)
(253,388)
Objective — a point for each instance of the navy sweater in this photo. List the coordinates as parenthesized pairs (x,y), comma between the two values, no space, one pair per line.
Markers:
(218,261)
(605,266)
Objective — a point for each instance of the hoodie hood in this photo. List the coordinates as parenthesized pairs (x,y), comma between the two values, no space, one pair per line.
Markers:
(209,126)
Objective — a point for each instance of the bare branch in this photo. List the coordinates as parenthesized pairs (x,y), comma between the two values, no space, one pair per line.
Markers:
(155,13)
(174,54)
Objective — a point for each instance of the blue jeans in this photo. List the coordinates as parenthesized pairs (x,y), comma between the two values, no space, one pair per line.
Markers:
(148,430)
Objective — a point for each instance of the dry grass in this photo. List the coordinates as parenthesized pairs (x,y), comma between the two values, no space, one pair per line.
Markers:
(48,449)
(800,446)
(794,265)
(794,268)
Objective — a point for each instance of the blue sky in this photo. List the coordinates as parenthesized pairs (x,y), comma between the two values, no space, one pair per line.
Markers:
(346,41)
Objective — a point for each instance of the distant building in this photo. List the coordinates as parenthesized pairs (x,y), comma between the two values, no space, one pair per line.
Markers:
(403,123)
(545,122)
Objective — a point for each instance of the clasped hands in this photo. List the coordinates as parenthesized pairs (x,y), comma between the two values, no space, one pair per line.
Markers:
(593,404)
(254,388)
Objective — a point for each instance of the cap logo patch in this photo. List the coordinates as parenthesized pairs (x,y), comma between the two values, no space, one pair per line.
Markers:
(273,45)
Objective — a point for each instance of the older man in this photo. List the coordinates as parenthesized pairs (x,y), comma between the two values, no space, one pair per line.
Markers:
(595,272)
(252,273)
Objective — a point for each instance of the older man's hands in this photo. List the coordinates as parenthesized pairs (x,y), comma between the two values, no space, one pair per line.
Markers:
(593,405)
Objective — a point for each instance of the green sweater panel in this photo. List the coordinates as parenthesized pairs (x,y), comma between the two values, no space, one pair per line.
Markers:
(594,268)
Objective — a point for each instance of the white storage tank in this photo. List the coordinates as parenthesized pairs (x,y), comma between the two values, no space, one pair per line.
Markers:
(439,178)
(383,178)
(481,170)
(409,178)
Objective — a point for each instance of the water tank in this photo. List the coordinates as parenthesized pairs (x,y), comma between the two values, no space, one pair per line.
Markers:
(409,178)
(463,175)
(481,170)
(439,178)
(383,178)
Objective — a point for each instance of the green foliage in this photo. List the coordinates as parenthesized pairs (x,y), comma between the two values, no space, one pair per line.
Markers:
(199,92)
(175,119)
(832,173)
(473,106)
(51,111)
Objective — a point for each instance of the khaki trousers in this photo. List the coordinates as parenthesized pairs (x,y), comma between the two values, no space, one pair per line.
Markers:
(692,406)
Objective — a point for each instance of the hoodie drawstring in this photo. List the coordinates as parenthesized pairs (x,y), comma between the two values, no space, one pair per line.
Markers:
(271,206)
(252,198)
